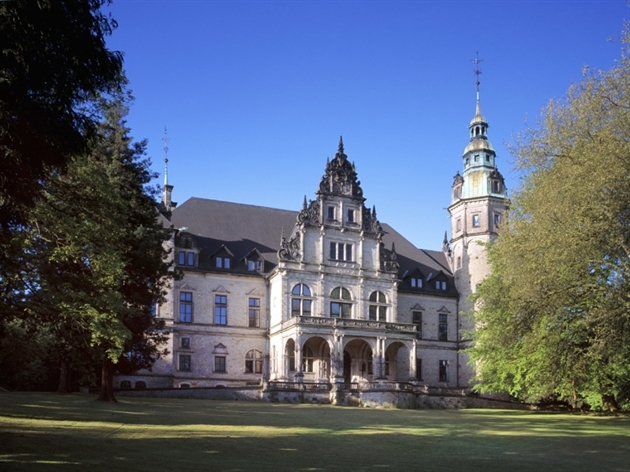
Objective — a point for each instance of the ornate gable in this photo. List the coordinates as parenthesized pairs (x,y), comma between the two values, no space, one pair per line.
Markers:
(340,177)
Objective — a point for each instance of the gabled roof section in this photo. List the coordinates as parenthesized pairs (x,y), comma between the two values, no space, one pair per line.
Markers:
(242,229)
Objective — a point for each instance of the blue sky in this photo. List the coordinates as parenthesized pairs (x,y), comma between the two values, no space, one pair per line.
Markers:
(255,94)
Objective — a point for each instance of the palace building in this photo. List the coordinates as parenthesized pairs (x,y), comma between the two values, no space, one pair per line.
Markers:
(326,296)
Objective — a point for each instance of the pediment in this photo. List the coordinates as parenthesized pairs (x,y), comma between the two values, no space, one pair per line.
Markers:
(220,289)
(444,310)
(418,307)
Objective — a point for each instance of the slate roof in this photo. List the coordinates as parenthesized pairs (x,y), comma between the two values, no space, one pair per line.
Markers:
(242,228)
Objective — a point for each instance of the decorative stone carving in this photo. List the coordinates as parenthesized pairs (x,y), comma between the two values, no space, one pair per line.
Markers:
(310,215)
(371,224)
(340,177)
(289,250)
(388,259)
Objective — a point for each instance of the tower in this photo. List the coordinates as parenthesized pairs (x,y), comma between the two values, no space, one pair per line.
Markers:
(478,206)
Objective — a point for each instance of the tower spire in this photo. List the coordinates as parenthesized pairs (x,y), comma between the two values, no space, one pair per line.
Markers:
(165,139)
(477,71)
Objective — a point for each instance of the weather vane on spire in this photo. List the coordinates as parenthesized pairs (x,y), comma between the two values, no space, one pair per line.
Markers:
(166,140)
(477,71)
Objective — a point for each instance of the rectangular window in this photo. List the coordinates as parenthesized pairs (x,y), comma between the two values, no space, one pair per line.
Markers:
(458,225)
(185,307)
(440,285)
(222,262)
(417,320)
(340,310)
(497,220)
(443,374)
(254,312)
(219,364)
(331,213)
(377,313)
(220,309)
(475,221)
(416,283)
(186,258)
(443,327)
(184,362)
(185,343)
(254,265)
(418,369)
(350,216)
(341,252)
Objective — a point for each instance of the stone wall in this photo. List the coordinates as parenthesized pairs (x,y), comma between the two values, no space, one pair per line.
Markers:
(378,398)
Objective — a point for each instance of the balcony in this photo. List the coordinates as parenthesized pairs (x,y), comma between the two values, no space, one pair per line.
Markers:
(348,323)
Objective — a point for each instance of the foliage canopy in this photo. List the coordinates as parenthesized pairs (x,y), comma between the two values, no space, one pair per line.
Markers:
(553,317)
(54,63)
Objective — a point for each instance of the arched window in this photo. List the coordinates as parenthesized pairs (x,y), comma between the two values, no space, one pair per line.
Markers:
(253,362)
(301,300)
(141,385)
(125,385)
(340,306)
(378,307)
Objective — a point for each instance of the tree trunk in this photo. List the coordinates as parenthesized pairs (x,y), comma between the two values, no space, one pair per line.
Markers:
(610,403)
(107,382)
(64,378)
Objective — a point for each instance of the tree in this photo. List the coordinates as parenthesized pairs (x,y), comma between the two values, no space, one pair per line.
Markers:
(54,62)
(96,261)
(553,318)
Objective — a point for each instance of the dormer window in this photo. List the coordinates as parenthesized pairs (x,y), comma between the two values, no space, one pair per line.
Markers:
(223,262)
(186,258)
(254,265)
(496,186)
(416,282)
(440,285)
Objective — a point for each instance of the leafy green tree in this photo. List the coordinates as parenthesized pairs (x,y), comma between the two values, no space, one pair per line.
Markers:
(96,257)
(54,62)
(553,318)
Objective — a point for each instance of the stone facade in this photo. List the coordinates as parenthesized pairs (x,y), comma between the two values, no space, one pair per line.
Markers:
(326,301)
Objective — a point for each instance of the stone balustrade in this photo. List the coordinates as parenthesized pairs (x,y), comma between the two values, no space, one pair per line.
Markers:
(349,323)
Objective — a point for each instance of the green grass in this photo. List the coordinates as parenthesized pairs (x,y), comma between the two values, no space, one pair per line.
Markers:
(49,432)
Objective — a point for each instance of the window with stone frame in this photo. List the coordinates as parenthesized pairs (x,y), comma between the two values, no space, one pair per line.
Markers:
(185,307)
(254,312)
(442,327)
(475,221)
(301,301)
(377,307)
(340,306)
(443,371)
(341,252)
(350,215)
(185,343)
(418,368)
(253,362)
(330,212)
(497,219)
(220,364)
(416,318)
(184,362)
(220,309)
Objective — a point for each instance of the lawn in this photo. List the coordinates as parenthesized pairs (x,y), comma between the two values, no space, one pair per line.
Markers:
(49,432)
